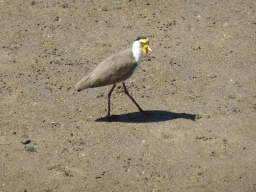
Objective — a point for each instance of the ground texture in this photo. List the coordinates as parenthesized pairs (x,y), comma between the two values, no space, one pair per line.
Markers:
(198,87)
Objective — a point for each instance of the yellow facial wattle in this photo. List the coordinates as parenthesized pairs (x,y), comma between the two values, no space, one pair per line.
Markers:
(145,45)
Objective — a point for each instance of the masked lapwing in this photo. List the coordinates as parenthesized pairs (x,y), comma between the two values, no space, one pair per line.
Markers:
(117,68)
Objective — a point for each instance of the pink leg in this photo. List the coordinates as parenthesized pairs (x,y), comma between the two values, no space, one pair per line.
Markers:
(109,95)
(127,93)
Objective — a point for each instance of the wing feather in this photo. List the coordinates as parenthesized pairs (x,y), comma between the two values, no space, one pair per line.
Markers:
(115,69)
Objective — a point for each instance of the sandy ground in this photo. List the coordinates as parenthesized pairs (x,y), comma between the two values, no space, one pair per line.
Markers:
(198,85)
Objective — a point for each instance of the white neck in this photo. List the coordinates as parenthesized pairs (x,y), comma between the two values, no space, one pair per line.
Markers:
(137,51)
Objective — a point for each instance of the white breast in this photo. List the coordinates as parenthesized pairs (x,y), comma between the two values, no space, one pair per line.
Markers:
(137,53)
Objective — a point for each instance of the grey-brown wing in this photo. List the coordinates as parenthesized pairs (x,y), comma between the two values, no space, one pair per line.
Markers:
(116,68)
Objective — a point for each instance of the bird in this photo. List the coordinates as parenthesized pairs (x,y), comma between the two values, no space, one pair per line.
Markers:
(117,68)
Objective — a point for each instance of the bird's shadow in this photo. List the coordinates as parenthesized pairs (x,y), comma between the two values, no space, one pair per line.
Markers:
(148,117)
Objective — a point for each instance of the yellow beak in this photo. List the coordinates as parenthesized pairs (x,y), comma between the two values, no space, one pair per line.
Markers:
(145,46)
(145,49)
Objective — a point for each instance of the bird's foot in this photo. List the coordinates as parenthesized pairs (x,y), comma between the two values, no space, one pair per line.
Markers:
(112,118)
(145,113)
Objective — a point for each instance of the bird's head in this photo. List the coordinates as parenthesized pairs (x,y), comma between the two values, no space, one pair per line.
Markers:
(144,42)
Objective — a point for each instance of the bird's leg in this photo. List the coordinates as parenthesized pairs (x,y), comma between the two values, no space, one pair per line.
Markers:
(109,95)
(127,93)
